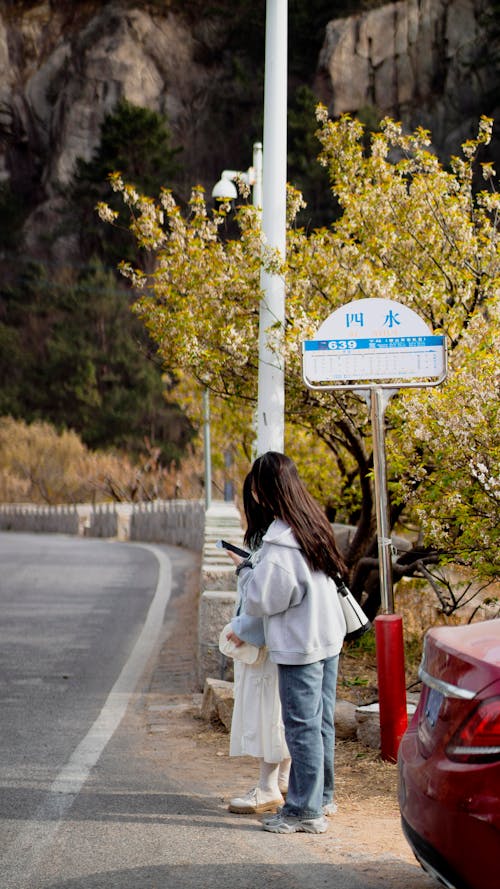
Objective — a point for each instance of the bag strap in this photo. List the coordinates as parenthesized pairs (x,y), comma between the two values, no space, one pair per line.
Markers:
(341,585)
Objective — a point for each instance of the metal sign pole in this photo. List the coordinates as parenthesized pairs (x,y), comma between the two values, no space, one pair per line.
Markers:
(207,449)
(379,400)
(376,347)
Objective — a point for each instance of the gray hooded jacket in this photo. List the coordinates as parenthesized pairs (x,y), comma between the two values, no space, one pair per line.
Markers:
(303,620)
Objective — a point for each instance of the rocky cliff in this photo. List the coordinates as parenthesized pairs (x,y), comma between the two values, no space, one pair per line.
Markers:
(64,66)
(60,74)
(432,63)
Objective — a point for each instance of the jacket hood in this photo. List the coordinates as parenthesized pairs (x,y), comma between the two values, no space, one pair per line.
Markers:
(280,534)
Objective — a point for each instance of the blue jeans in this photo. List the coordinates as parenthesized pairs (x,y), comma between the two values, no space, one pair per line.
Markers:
(307,693)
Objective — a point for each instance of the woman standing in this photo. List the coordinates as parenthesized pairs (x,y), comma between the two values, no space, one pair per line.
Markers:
(291,586)
(257,726)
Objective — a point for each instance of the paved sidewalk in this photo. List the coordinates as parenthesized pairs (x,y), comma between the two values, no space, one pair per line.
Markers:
(364,839)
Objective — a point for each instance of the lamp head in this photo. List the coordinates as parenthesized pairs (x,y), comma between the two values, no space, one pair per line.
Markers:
(225,190)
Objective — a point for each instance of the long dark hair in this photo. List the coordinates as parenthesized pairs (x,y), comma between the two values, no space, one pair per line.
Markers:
(281,493)
(258,518)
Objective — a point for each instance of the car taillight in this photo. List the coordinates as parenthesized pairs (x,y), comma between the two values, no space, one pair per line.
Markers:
(478,738)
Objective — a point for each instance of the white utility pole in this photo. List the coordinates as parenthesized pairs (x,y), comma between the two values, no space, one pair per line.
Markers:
(271,385)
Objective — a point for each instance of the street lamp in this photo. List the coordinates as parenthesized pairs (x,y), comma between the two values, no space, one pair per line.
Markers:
(207,450)
(226,190)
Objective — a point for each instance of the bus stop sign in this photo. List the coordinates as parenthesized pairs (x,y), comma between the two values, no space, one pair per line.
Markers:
(375,341)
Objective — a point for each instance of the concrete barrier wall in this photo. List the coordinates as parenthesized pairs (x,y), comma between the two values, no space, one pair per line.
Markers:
(218,590)
(103,521)
(58,519)
(216,608)
(178,522)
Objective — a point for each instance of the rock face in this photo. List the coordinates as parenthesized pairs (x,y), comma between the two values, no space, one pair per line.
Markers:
(426,62)
(60,77)
(61,74)
(63,67)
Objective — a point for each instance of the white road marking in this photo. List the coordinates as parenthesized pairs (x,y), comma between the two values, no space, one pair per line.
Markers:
(19,865)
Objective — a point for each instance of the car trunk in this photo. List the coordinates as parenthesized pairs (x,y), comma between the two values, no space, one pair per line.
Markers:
(458,669)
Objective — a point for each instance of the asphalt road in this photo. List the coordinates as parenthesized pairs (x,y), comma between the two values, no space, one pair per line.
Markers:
(83,804)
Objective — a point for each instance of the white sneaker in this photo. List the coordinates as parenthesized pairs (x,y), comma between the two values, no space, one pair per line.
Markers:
(292,824)
(330,809)
(255,802)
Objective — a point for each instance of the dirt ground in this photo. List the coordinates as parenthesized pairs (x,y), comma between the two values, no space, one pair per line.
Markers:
(367,825)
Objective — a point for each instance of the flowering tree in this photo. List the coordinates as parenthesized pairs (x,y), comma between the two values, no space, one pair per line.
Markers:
(409,230)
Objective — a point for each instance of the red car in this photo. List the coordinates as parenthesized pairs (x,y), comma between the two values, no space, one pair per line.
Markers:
(449,758)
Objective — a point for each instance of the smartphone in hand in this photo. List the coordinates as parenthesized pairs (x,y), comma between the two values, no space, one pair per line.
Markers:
(223,544)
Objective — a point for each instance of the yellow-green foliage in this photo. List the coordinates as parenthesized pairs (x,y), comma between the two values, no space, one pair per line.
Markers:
(411,230)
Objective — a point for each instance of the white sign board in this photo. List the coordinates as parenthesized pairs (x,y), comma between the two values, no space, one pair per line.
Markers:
(372,340)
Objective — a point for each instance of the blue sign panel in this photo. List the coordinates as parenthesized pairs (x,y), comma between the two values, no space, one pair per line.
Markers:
(374,358)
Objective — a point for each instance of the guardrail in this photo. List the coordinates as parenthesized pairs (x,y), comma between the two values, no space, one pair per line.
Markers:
(178,522)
